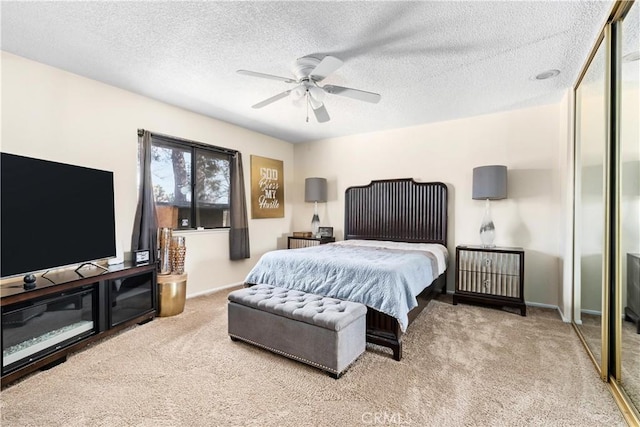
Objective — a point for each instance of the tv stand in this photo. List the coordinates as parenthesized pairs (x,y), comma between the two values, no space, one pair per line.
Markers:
(63,313)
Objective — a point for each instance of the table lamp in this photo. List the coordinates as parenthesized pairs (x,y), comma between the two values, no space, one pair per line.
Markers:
(315,190)
(489,183)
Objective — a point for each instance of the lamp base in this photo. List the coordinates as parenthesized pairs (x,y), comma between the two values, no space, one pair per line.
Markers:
(488,245)
(487,229)
(315,225)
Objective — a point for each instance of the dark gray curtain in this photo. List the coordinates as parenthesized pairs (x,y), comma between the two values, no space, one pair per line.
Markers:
(239,231)
(145,226)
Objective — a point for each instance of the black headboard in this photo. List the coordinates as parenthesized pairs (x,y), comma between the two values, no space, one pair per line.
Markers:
(400,210)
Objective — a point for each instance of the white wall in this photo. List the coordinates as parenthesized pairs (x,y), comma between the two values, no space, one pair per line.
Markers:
(55,115)
(530,142)
(51,114)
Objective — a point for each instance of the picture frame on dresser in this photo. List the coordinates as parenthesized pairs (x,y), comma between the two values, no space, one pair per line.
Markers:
(142,257)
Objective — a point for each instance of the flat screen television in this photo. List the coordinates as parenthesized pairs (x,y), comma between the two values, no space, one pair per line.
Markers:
(53,215)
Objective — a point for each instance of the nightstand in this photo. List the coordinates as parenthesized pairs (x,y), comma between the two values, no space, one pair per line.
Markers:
(305,242)
(490,276)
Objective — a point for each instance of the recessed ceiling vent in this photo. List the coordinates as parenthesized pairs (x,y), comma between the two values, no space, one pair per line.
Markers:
(632,56)
(549,74)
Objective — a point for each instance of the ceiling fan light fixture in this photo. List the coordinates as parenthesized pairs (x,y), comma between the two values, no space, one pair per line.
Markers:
(298,92)
(545,75)
(308,72)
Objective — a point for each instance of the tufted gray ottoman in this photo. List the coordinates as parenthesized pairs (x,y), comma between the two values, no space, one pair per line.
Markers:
(323,332)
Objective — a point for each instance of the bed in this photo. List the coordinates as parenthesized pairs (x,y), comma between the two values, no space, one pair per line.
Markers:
(399,223)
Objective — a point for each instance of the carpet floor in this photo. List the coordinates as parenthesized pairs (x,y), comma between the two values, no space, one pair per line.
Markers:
(463,366)
(591,329)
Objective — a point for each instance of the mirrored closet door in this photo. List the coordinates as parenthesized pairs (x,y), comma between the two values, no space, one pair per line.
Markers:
(628,232)
(589,244)
(606,267)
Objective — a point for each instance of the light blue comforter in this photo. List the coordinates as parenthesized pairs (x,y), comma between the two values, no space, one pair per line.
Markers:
(387,280)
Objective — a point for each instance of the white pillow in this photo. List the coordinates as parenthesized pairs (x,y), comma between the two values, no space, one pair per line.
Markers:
(440,251)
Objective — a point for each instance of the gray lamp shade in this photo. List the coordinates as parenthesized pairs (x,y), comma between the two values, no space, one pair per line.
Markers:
(490,182)
(315,190)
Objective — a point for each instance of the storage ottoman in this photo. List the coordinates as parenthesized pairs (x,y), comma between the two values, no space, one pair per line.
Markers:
(324,332)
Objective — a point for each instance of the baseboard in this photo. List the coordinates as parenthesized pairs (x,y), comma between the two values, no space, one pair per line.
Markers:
(565,319)
(213,291)
(551,306)
(537,304)
(579,322)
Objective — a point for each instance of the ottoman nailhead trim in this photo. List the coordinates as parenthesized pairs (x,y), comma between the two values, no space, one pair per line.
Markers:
(292,356)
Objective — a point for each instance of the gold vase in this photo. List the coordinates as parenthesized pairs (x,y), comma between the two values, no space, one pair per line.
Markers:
(178,254)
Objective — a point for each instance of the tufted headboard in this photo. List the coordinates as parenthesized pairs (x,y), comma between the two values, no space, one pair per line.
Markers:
(400,210)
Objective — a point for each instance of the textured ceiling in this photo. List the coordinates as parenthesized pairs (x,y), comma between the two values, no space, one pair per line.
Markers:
(430,61)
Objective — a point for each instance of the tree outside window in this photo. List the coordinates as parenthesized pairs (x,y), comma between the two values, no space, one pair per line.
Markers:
(173,170)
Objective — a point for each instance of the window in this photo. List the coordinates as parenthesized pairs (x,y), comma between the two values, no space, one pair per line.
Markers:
(190,184)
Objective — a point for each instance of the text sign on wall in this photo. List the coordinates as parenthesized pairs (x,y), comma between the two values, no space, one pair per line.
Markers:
(267,188)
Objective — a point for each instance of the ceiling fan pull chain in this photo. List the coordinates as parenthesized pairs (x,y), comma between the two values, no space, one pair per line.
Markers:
(307,98)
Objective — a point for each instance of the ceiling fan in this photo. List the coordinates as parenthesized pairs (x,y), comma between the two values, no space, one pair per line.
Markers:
(308,71)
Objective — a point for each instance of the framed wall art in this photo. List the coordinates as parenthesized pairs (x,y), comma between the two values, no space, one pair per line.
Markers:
(267,188)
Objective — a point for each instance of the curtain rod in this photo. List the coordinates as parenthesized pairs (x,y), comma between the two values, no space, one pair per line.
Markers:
(189,141)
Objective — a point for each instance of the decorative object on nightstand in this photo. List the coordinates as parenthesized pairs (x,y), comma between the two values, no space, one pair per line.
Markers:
(490,276)
(324,232)
(315,190)
(489,183)
(306,234)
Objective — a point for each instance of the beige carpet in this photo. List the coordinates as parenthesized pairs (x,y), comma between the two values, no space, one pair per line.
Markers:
(463,365)
(630,364)
(591,329)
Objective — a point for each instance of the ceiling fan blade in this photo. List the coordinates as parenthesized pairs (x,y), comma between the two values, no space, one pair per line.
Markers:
(266,76)
(314,102)
(360,95)
(316,93)
(328,65)
(272,99)
(322,116)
